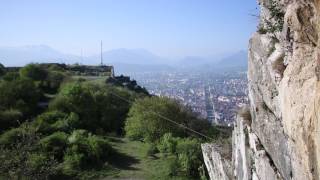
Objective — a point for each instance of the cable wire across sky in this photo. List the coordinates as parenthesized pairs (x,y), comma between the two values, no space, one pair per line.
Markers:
(167,119)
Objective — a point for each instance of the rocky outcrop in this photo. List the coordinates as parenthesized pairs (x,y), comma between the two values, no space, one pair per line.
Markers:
(241,154)
(282,138)
(221,169)
(250,158)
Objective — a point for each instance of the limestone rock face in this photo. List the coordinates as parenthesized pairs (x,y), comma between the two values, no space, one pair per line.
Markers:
(250,159)
(282,140)
(221,168)
(240,151)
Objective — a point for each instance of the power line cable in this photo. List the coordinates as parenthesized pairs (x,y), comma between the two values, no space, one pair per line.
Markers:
(167,119)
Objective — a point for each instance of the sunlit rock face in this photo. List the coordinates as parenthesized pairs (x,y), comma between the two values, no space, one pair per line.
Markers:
(282,139)
(221,168)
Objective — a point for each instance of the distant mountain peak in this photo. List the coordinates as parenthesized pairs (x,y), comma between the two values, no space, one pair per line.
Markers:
(19,56)
(238,59)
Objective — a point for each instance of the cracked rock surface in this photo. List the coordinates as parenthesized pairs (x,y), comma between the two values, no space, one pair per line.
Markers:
(282,140)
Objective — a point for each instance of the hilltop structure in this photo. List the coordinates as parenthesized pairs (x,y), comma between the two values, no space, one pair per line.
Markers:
(86,70)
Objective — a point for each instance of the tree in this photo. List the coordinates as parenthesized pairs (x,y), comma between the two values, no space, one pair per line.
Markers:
(96,105)
(10,118)
(146,119)
(53,81)
(34,72)
(126,82)
(113,110)
(2,69)
(77,98)
(11,76)
(21,95)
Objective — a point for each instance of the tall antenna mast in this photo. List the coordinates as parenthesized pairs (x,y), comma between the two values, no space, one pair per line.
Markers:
(81,55)
(101,55)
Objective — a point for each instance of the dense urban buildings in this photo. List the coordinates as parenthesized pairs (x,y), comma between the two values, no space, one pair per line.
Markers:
(214,96)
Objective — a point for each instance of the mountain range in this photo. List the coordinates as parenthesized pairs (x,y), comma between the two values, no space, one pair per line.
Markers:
(124,59)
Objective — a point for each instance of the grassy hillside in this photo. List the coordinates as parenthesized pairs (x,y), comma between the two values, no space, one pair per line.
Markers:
(57,126)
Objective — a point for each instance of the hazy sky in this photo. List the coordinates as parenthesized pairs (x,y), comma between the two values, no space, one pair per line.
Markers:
(170,28)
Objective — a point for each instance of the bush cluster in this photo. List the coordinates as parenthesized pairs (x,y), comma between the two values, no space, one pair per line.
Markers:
(161,123)
(187,152)
(94,107)
(61,138)
(150,118)
(47,77)
(67,154)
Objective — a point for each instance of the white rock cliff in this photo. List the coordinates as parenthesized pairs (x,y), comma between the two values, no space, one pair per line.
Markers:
(281,139)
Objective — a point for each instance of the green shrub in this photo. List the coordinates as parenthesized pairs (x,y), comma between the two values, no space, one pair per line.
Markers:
(95,106)
(275,24)
(53,121)
(23,158)
(61,125)
(2,70)
(51,116)
(99,148)
(11,136)
(262,30)
(152,149)
(37,161)
(11,76)
(53,81)
(55,144)
(44,122)
(72,164)
(146,119)
(78,98)
(113,111)
(94,148)
(174,167)
(168,143)
(189,156)
(10,118)
(184,162)
(203,173)
(34,72)
(73,121)
(59,103)
(78,136)
(21,95)
(277,14)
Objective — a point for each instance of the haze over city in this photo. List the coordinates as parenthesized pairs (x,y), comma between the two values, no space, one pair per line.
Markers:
(170,29)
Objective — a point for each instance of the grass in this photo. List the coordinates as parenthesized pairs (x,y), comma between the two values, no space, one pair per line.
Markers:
(94,79)
(130,161)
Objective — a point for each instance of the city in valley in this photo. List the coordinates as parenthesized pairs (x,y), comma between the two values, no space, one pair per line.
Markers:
(214,96)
